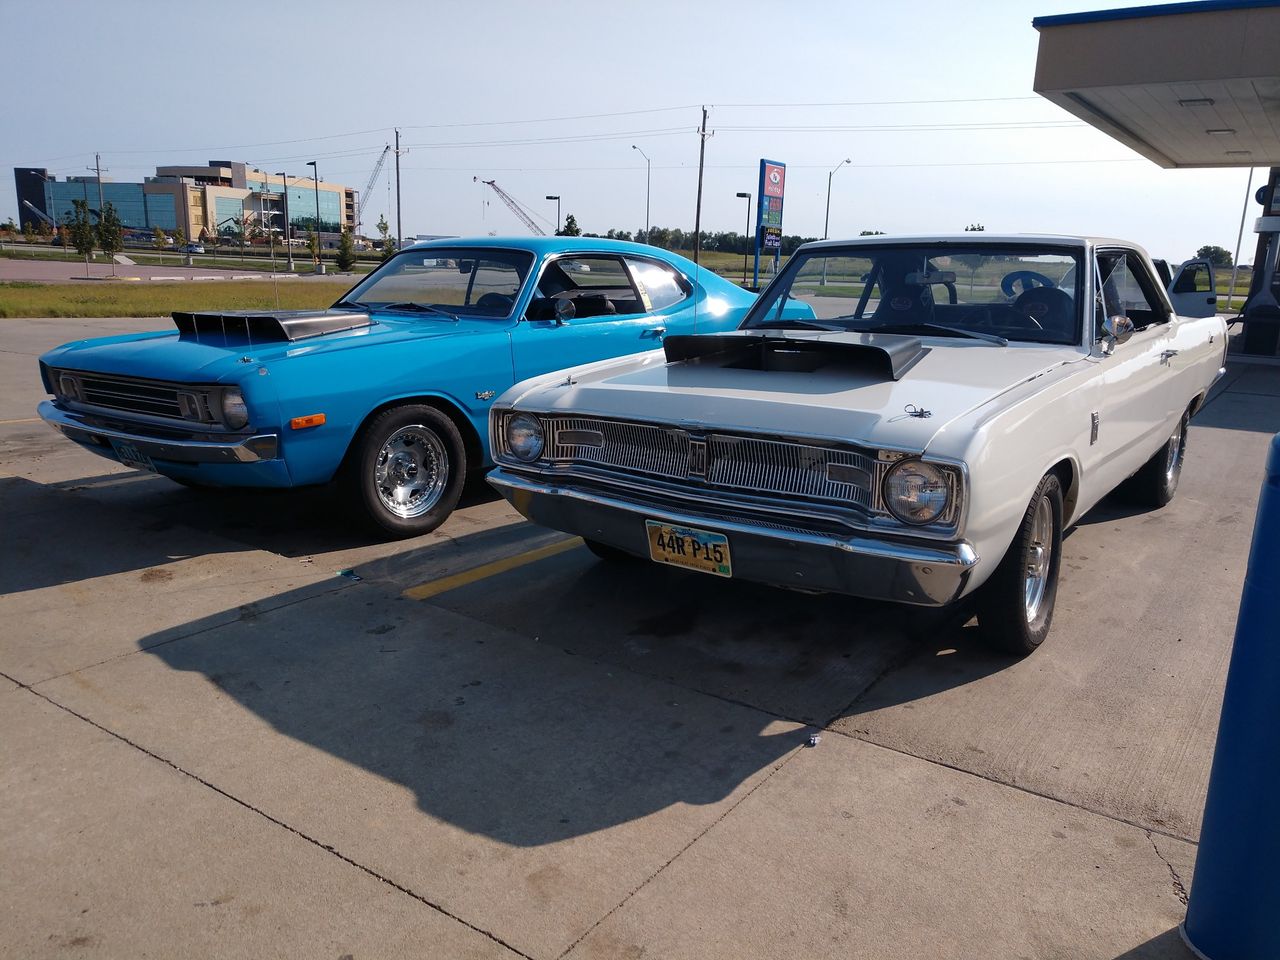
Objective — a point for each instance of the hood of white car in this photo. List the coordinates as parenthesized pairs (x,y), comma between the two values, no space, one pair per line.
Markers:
(859,402)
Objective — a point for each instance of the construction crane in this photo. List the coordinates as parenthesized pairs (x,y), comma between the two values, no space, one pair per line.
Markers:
(515,207)
(368,190)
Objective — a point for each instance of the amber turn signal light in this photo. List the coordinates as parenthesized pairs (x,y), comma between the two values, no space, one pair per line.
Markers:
(312,420)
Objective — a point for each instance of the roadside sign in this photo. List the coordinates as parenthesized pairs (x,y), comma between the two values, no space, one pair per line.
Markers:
(770,193)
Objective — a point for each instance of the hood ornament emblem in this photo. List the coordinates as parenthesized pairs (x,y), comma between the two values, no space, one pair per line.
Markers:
(911,410)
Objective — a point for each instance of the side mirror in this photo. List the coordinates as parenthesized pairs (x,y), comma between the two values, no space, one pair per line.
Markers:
(551,308)
(1116,329)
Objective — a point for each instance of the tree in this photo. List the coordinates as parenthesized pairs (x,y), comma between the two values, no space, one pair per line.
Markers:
(29,232)
(1218,256)
(10,228)
(180,238)
(159,240)
(871,233)
(571,228)
(346,251)
(313,247)
(388,244)
(239,223)
(110,234)
(81,231)
(974,228)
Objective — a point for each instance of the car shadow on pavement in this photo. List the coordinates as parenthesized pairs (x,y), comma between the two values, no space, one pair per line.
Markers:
(566,696)
(1166,946)
(119,523)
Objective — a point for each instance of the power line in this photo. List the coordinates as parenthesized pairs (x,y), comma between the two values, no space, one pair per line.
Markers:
(790,166)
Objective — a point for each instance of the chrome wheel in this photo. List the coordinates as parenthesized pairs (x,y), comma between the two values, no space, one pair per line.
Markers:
(1174,451)
(411,471)
(1039,559)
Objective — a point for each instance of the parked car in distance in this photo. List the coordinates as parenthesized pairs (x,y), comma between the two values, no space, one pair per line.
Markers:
(194,248)
(947,407)
(389,390)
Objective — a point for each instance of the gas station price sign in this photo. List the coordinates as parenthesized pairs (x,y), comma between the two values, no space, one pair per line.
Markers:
(773,185)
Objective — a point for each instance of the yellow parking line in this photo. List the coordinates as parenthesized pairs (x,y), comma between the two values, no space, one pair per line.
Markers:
(433,588)
(27,420)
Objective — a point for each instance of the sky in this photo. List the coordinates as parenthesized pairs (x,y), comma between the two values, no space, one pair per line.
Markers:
(932,104)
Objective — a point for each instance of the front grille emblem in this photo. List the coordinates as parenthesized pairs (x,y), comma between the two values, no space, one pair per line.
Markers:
(697,458)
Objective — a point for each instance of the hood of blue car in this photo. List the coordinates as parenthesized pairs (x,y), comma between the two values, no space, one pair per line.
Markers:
(215,358)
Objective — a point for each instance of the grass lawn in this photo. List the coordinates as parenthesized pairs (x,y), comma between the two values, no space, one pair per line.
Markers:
(105,299)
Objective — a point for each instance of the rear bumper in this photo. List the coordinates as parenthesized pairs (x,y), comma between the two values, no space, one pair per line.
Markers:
(924,574)
(194,449)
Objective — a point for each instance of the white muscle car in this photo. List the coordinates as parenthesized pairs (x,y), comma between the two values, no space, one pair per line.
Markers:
(913,419)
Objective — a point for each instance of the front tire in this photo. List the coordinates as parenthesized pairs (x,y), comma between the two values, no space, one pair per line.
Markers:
(407,469)
(1156,483)
(1015,606)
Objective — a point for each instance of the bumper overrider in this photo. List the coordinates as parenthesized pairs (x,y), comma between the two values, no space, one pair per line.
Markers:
(98,436)
(900,570)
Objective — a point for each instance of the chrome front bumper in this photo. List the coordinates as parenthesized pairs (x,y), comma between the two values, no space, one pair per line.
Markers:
(197,448)
(925,574)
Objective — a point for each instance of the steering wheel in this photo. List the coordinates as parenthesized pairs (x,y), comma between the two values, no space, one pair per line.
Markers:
(1047,308)
(499,302)
(1029,279)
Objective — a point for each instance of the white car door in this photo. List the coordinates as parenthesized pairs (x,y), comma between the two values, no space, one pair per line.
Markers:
(1192,291)
(1135,398)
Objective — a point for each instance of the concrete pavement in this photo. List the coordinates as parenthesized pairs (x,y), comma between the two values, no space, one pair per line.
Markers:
(218,741)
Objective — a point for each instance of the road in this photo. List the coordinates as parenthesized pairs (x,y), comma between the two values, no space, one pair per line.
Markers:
(229,730)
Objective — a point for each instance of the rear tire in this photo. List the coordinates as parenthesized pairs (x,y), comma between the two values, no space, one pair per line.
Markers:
(1015,606)
(1156,483)
(406,470)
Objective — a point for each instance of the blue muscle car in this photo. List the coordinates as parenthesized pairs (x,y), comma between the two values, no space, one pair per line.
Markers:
(388,390)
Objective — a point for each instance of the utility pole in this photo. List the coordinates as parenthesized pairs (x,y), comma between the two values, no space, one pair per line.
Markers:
(284,189)
(399,229)
(697,217)
(648,180)
(97,163)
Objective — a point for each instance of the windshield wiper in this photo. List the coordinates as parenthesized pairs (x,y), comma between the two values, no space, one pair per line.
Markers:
(350,305)
(801,324)
(938,327)
(419,308)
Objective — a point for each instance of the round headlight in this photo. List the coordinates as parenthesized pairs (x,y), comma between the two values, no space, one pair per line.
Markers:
(525,436)
(916,492)
(234,413)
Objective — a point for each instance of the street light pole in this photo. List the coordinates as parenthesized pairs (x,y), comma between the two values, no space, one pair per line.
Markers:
(826,224)
(745,233)
(288,249)
(315,174)
(648,171)
(557,200)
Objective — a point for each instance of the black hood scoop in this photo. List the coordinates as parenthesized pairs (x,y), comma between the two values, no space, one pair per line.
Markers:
(889,356)
(254,326)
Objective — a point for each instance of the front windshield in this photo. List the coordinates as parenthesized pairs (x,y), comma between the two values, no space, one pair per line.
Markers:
(453,281)
(1014,292)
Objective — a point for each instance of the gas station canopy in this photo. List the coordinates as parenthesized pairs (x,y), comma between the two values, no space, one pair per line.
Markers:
(1183,84)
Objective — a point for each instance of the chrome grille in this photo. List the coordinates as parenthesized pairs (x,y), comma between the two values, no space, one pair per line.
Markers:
(727,461)
(640,447)
(132,395)
(786,467)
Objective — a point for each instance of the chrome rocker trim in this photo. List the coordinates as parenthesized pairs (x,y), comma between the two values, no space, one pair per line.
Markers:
(84,431)
(880,569)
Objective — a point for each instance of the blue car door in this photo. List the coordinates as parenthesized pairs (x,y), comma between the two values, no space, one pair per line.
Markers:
(613,314)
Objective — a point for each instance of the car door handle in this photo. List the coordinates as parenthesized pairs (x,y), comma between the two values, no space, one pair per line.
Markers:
(656,332)
(1167,355)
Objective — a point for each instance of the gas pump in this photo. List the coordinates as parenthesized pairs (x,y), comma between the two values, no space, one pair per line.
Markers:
(1261,311)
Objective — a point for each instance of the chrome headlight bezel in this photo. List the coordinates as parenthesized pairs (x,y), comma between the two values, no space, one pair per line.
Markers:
(232,409)
(929,481)
(524,436)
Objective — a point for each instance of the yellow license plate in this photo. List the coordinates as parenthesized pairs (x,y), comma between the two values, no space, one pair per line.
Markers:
(686,547)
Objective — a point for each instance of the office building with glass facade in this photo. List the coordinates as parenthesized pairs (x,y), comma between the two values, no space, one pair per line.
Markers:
(218,199)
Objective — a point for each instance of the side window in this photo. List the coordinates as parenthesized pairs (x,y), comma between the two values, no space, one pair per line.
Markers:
(1128,290)
(1193,279)
(659,284)
(598,286)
